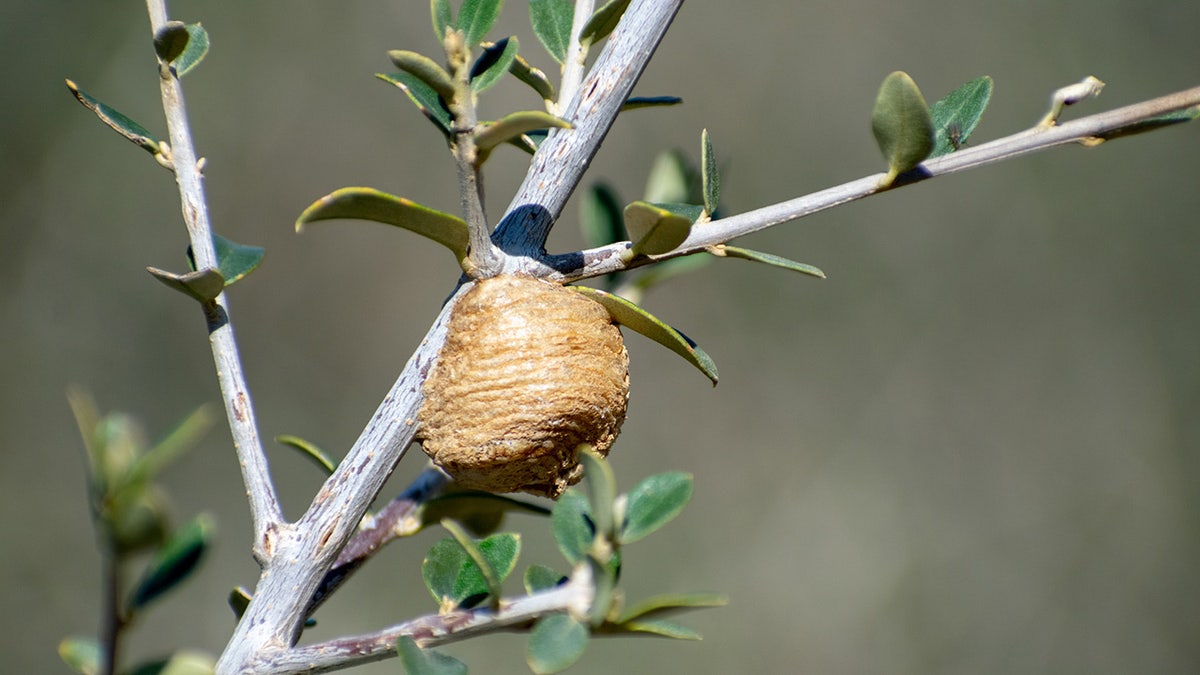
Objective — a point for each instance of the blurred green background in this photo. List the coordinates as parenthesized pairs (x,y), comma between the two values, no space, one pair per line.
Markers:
(974,448)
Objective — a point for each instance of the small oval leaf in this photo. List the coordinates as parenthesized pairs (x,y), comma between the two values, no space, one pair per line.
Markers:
(442,16)
(423,96)
(654,502)
(197,49)
(902,125)
(309,450)
(171,40)
(234,260)
(551,20)
(452,574)
(496,60)
(475,19)
(118,122)
(202,285)
(81,654)
(424,69)
(512,125)
(417,661)
(570,522)
(541,578)
(628,314)
(602,22)
(957,114)
(653,229)
(370,204)
(767,259)
(174,561)
(556,642)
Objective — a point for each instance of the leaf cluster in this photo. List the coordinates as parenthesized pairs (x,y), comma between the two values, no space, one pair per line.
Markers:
(589,527)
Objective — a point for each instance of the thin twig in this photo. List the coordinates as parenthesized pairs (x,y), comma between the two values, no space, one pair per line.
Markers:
(1087,131)
(265,510)
(436,629)
(572,73)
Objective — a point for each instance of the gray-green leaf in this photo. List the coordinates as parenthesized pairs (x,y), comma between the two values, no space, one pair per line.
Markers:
(203,285)
(81,654)
(768,259)
(234,260)
(902,125)
(654,502)
(570,524)
(541,578)
(442,17)
(551,20)
(635,318)
(493,63)
(117,121)
(475,19)
(635,102)
(709,174)
(174,562)
(426,70)
(957,114)
(653,229)
(417,661)
(370,204)
(602,22)
(423,96)
(513,125)
(197,49)
(556,642)
(310,450)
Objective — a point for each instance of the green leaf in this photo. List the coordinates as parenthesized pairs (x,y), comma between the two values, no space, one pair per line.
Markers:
(452,574)
(690,211)
(600,217)
(556,642)
(488,136)
(570,522)
(417,661)
(602,491)
(1177,117)
(768,259)
(602,22)
(234,260)
(551,20)
(660,605)
(902,125)
(709,174)
(81,654)
(653,229)
(424,69)
(381,207)
(541,578)
(956,116)
(533,77)
(182,438)
(203,285)
(170,40)
(442,17)
(654,502)
(661,628)
(475,19)
(671,180)
(119,123)
(493,63)
(424,97)
(635,102)
(309,450)
(174,561)
(188,662)
(197,49)
(635,318)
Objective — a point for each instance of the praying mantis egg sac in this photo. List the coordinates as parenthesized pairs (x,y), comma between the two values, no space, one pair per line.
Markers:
(529,371)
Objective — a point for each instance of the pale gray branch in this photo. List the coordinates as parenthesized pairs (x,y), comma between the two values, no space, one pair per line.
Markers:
(1087,131)
(265,510)
(572,72)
